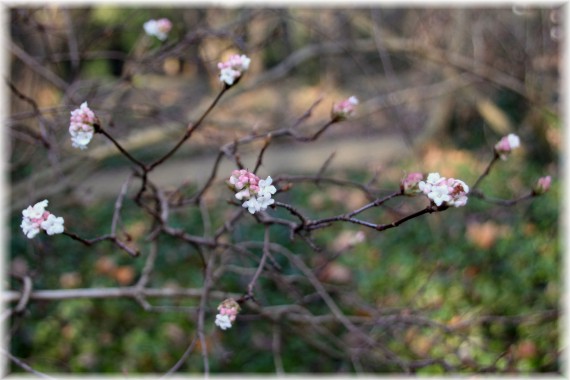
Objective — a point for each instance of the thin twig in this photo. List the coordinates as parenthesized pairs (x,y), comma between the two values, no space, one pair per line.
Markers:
(485,172)
(112,238)
(24,366)
(263,149)
(99,129)
(261,263)
(119,204)
(182,359)
(191,128)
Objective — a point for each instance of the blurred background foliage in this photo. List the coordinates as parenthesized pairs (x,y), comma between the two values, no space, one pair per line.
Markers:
(478,287)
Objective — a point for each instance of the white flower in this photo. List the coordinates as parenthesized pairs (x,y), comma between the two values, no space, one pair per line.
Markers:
(458,192)
(243,194)
(245,60)
(35,211)
(158,28)
(432,179)
(53,224)
(80,139)
(229,75)
(439,194)
(223,321)
(264,202)
(514,140)
(266,189)
(252,205)
(29,228)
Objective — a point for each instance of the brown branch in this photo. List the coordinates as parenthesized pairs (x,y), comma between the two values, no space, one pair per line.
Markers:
(261,263)
(191,128)
(112,238)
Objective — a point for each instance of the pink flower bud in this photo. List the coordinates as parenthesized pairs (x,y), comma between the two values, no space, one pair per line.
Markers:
(410,184)
(542,185)
(506,145)
(344,109)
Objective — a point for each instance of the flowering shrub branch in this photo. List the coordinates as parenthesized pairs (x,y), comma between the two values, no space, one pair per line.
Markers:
(260,201)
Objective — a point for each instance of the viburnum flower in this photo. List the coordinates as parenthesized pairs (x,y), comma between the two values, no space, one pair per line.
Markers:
(256,192)
(228,311)
(542,185)
(344,109)
(410,184)
(82,126)
(504,147)
(36,217)
(444,191)
(158,28)
(458,191)
(233,68)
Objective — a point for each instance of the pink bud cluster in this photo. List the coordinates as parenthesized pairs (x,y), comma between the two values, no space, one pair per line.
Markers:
(256,192)
(158,28)
(81,127)
(228,310)
(410,184)
(542,185)
(233,68)
(344,109)
(36,217)
(504,147)
(441,190)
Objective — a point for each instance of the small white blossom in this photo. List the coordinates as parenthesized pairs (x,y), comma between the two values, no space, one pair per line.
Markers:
(158,28)
(80,139)
(266,189)
(35,211)
(252,205)
(223,321)
(53,224)
(439,194)
(29,228)
(264,202)
(229,75)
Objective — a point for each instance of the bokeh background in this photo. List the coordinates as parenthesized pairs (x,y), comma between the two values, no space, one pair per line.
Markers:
(471,290)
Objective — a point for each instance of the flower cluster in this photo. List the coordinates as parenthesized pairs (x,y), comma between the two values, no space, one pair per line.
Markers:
(158,28)
(257,193)
(232,69)
(410,184)
(344,109)
(228,311)
(36,217)
(441,190)
(82,126)
(506,145)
